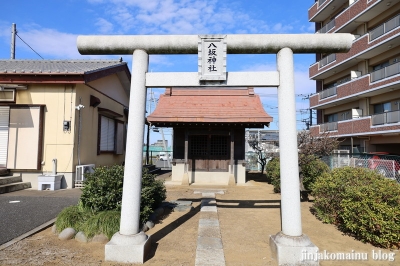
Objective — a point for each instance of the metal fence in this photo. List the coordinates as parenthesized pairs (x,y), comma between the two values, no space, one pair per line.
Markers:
(386,165)
(386,118)
(331,126)
(385,27)
(320,2)
(327,59)
(328,92)
(385,72)
(327,27)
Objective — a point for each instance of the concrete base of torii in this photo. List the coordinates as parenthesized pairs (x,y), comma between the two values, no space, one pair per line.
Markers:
(128,249)
(293,250)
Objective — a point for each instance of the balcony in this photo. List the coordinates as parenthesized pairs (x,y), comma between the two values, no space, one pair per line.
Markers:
(322,9)
(353,89)
(327,60)
(384,28)
(327,92)
(353,127)
(331,126)
(386,118)
(385,72)
(327,27)
(362,49)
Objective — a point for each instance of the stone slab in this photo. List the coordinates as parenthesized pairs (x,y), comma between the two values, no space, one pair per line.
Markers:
(209,231)
(182,202)
(208,222)
(210,257)
(183,208)
(209,215)
(215,191)
(209,209)
(208,195)
(209,243)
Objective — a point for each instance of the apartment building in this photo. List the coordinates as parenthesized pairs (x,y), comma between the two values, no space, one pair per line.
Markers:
(358,93)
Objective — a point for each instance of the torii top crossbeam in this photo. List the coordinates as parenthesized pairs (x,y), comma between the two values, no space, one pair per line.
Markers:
(236,43)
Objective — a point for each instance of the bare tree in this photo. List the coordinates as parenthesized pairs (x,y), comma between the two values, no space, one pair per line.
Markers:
(259,150)
(310,146)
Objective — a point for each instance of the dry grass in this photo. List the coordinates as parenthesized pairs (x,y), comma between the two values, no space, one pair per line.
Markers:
(44,254)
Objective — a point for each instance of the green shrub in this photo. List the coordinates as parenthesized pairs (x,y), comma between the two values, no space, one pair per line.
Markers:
(272,172)
(103,188)
(313,169)
(153,194)
(361,203)
(98,210)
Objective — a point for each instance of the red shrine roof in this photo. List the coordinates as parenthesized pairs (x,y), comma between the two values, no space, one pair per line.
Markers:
(209,105)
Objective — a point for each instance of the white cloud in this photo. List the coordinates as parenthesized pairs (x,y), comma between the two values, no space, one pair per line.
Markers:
(184,17)
(303,84)
(104,25)
(48,43)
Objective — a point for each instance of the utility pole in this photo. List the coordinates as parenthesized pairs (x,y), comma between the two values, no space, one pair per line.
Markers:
(13,33)
(309,120)
(162,133)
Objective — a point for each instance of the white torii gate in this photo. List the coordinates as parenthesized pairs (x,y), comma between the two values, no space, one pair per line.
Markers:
(130,244)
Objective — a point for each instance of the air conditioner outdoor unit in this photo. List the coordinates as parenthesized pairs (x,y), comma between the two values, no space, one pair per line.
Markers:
(81,170)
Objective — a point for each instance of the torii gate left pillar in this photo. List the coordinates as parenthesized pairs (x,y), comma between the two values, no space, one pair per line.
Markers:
(130,244)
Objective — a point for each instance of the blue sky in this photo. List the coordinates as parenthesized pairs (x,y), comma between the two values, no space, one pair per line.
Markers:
(51,27)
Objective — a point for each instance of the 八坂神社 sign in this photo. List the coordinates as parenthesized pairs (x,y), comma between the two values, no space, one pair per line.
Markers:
(212,57)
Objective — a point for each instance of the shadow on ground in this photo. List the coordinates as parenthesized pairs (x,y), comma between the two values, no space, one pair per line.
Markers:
(257,177)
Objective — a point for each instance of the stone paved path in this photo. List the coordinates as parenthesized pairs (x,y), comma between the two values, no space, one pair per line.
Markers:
(209,243)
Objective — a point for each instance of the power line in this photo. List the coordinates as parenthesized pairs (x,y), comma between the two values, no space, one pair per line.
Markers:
(29,46)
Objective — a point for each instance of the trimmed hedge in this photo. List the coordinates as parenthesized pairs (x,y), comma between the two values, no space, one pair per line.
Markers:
(360,202)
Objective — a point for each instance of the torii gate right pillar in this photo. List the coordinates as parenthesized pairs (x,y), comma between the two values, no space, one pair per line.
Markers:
(289,245)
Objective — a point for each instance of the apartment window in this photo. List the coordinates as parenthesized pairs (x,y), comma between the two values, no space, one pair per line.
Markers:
(332,118)
(382,108)
(345,116)
(380,66)
(111,134)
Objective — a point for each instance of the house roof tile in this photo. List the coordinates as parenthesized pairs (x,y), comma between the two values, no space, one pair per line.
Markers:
(56,66)
(209,105)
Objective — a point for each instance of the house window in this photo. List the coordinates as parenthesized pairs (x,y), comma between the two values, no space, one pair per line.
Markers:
(111,136)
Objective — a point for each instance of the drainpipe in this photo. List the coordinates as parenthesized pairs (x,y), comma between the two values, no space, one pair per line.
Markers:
(79,107)
(54,166)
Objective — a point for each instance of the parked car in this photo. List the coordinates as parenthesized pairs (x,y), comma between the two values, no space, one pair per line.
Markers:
(164,157)
(384,163)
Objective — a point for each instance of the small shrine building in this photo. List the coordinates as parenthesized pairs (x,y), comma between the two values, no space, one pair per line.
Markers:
(209,131)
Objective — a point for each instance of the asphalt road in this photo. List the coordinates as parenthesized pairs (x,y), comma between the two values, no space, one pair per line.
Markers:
(22,211)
